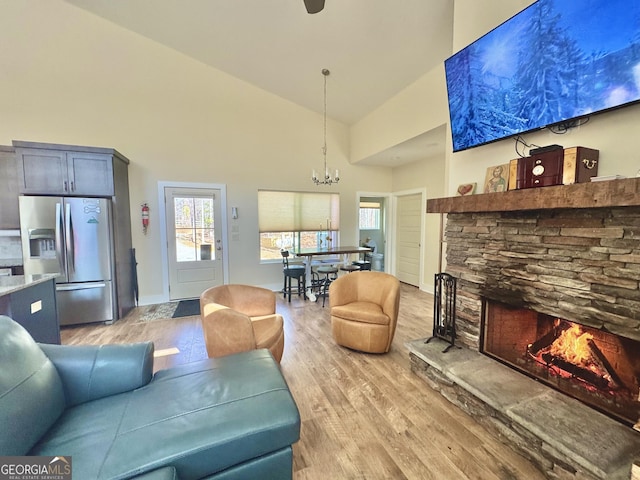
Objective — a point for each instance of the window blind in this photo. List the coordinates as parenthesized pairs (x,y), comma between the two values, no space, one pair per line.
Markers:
(298,211)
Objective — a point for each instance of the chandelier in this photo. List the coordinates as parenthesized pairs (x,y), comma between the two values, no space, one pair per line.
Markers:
(329,177)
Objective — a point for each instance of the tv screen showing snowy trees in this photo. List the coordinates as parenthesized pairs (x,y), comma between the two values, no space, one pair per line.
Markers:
(555,61)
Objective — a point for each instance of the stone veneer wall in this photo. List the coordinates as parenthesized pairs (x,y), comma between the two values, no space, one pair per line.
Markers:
(582,265)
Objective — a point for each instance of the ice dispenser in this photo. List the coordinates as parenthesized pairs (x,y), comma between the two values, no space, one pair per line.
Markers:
(42,243)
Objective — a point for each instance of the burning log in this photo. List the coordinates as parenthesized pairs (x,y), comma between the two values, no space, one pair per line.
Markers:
(574,352)
(546,340)
(577,371)
(605,364)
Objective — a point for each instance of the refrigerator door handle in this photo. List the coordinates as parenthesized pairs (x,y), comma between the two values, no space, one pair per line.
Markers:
(80,286)
(70,241)
(59,238)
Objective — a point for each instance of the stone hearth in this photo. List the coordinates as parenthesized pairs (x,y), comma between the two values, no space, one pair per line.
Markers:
(563,437)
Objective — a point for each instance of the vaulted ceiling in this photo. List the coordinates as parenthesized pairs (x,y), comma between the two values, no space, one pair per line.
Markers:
(373,48)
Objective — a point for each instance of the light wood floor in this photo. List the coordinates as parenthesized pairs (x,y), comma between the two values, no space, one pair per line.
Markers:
(363,416)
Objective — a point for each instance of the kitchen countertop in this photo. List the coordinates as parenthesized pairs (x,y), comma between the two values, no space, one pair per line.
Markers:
(10,262)
(15,283)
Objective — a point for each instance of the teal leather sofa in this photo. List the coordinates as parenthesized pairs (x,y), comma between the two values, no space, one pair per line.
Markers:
(226,418)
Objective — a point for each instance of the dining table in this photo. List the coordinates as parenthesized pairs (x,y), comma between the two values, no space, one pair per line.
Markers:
(307,255)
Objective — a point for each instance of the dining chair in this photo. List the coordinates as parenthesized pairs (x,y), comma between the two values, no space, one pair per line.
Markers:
(293,272)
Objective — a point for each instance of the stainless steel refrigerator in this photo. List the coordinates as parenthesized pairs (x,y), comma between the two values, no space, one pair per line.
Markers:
(73,237)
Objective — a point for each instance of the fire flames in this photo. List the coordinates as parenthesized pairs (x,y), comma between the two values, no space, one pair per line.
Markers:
(573,346)
(570,352)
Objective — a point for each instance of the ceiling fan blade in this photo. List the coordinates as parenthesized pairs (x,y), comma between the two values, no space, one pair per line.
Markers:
(314,6)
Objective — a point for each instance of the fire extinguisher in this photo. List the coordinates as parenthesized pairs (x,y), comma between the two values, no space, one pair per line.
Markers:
(145,217)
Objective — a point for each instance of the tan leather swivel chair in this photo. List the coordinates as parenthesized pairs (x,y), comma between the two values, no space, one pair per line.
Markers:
(364,310)
(237,318)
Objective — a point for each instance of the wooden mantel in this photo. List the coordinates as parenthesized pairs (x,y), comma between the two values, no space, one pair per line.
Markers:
(610,193)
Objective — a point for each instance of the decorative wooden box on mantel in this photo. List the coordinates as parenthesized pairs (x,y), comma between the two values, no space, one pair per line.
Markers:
(612,193)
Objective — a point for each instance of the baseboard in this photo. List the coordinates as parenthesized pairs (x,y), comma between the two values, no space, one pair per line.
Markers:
(274,287)
(152,300)
(427,287)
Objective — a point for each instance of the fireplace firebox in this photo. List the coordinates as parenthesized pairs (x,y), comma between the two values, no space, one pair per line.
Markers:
(596,367)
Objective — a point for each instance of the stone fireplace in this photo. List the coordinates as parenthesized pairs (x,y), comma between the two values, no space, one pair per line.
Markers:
(529,265)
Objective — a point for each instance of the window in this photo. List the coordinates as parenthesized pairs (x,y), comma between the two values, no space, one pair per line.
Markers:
(293,220)
(194,228)
(369,215)
(272,243)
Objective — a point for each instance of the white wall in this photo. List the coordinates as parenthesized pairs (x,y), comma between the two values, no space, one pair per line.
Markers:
(422,107)
(419,108)
(425,174)
(71,77)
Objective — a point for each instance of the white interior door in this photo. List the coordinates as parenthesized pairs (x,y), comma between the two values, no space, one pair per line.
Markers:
(408,228)
(194,240)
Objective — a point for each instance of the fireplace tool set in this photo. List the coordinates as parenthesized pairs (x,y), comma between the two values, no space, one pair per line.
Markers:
(444,309)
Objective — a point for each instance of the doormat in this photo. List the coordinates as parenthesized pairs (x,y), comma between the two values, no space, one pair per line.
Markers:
(160,311)
(187,308)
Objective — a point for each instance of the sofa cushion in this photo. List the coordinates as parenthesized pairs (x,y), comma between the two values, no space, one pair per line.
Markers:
(207,416)
(31,393)
(365,312)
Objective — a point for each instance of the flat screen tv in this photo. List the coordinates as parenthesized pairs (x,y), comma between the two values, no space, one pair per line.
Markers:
(555,61)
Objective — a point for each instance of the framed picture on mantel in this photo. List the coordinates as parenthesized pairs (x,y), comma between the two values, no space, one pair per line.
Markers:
(497,179)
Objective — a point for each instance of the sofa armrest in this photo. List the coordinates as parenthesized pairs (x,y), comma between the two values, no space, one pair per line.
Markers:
(166,473)
(227,331)
(92,372)
(391,302)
